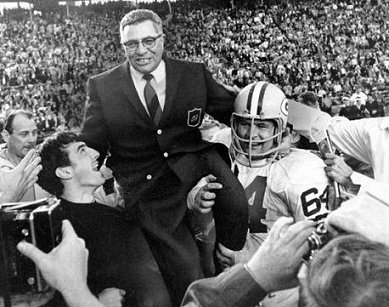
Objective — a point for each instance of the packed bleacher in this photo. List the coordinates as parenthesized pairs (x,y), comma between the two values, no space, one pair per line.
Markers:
(328,48)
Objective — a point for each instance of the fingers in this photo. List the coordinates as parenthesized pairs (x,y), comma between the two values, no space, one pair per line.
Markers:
(294,232)
(122,292)
(33,178)
(224,255)
(225,251)
(31,252)
(330,156)
(29,157)
(68,231)
(301,242)
(213,186)
(210,178)
(297,237)
(279,228)
(205,198)
(205,210)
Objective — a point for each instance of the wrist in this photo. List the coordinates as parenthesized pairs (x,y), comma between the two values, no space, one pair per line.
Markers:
(80,297)
(258,275)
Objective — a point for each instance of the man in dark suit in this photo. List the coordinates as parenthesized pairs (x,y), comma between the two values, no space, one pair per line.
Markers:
(146,113)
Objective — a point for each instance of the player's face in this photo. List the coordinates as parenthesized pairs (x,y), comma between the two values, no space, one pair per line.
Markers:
(258,132)
(143,59)
(83,161)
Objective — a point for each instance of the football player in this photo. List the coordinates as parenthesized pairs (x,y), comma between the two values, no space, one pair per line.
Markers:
(279,180)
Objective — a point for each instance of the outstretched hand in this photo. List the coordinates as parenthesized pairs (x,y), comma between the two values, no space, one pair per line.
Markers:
(16,182)
(276,263)
(65,267)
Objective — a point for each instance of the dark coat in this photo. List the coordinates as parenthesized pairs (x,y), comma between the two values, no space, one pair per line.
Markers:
(157,165)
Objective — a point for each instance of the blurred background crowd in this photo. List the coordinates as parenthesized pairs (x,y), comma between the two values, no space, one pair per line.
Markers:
(336,49)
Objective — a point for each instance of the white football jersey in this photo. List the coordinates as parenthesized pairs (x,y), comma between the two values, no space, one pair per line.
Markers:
(297,186)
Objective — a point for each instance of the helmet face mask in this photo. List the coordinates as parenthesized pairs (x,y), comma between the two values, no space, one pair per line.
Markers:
(258,124)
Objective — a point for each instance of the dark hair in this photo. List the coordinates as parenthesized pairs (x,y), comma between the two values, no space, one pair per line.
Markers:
(138,16)
(350,271)
(11,117)
(308,98)
(53,156)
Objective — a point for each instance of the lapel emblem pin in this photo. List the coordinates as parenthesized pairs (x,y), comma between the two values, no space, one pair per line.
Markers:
(194,117)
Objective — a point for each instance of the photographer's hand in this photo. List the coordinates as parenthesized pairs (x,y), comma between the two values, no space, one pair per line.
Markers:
(29,299)
(15,183)
(275,264)
(65,267)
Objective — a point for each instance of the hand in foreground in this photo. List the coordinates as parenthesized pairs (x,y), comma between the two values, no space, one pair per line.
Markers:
(225,256)
(65,267)
(15,183)
(365,215)
(338,170)
(275,264)
(205,197)
(112,297)
(29,299)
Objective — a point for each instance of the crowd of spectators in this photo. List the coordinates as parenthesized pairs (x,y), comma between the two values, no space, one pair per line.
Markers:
(330,48)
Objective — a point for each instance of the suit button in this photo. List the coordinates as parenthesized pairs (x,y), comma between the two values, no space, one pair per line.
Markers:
(159,131)
(149,177)
(165,154)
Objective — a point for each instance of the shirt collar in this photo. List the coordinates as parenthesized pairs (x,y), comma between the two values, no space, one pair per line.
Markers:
(158,73)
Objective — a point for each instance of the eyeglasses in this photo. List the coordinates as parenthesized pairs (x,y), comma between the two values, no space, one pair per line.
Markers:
(148,42)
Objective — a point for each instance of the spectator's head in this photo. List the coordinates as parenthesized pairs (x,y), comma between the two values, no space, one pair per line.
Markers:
(20,133)
(310,99)
(68,165)
(350,271)
(258,124)
(142,37)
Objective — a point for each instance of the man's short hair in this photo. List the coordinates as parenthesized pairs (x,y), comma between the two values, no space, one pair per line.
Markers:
(308,98)
(53,156)
(350,271)
(11,117)
(137,16)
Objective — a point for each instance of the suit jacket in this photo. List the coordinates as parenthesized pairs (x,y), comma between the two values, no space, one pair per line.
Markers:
(157,165)
(116,120)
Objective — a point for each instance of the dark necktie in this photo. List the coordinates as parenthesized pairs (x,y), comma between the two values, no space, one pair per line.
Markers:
(152,101)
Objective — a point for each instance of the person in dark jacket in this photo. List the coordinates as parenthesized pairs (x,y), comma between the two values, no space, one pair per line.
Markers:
(146,113)
(119,256)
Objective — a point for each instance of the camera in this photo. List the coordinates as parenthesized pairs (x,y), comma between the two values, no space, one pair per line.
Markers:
(37,222)
(317,239)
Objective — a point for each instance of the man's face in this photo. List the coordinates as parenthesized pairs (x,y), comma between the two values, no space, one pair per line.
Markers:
(23,137)
(142,59)
(83,161)
(260,131)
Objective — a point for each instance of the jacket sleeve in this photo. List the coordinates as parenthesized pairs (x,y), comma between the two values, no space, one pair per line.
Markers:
(94,130)
(235,287)
(220,101)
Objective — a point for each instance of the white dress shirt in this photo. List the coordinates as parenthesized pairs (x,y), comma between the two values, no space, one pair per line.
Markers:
(158,83)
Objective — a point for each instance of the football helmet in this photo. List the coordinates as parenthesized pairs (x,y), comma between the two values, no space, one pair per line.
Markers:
(256,102)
